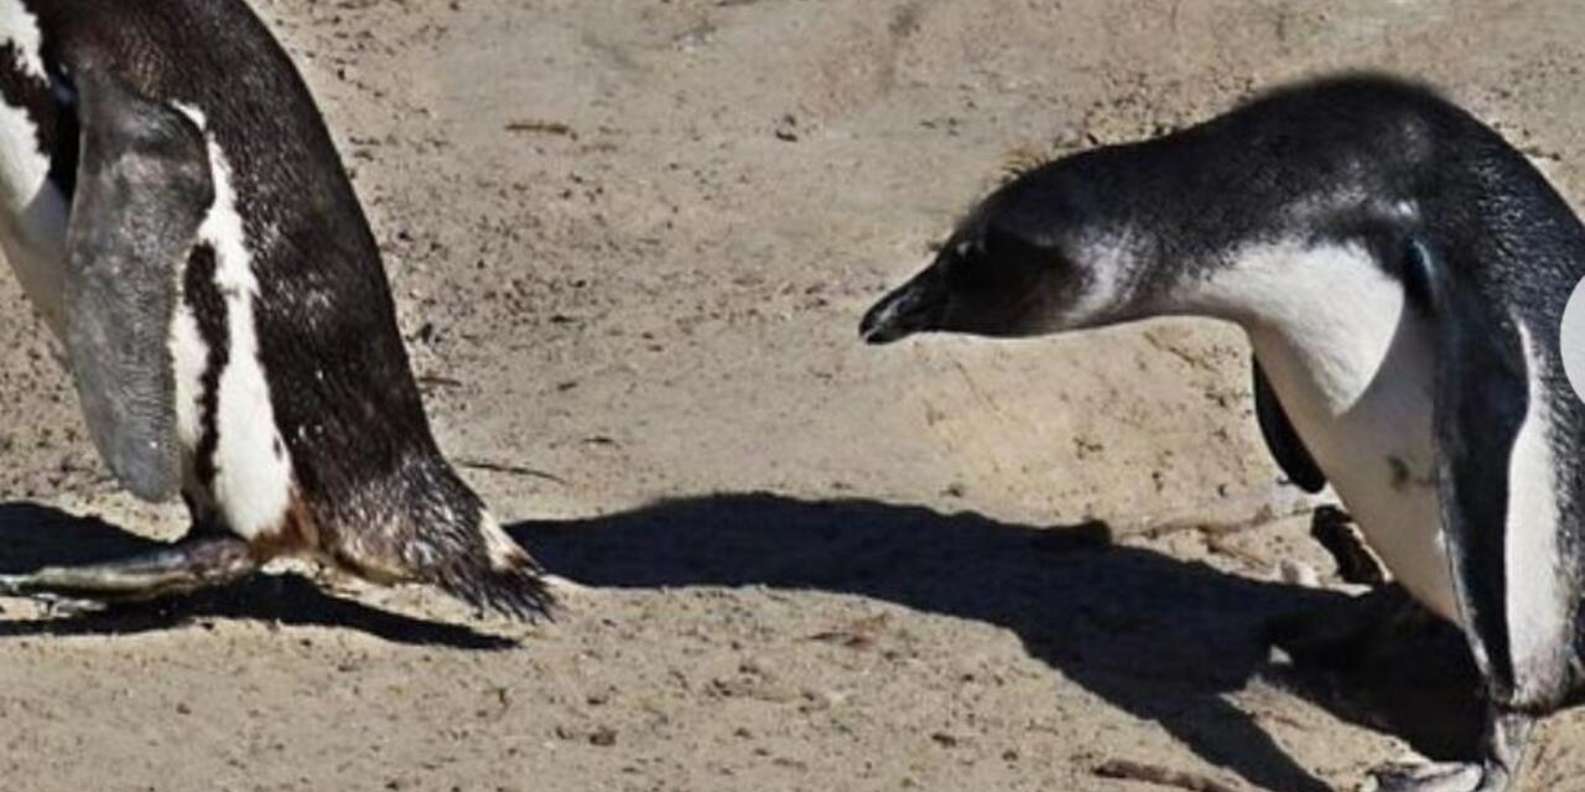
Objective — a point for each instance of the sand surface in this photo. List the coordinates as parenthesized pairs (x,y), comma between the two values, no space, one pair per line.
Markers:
(630,243)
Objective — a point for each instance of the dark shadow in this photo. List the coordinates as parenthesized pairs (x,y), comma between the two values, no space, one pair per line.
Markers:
(1403,672)
(1132,625)
(32,536)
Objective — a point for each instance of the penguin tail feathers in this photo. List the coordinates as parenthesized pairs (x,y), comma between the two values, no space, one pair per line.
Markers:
(492,572)
(426,526)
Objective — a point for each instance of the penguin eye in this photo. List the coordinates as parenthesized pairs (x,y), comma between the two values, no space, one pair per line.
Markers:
(969,269)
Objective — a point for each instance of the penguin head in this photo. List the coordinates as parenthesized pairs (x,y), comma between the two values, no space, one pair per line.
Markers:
(1038,256)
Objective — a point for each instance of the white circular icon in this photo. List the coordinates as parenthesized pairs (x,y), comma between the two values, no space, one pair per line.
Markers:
(1572,340)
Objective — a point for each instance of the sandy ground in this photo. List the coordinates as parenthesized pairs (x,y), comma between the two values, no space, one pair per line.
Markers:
(631,242)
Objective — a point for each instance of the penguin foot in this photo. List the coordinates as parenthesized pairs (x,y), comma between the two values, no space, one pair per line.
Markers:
(1340,637)
(184,568)
(1334,529)
(1439,777)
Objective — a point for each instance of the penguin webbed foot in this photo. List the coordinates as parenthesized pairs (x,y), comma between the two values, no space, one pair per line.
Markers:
(1507,735)
(181,569)
(1429,777)
(1341,636)
(1440,777)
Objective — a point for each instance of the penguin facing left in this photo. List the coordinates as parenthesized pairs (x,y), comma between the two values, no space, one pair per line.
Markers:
(1401,273)
(174,207)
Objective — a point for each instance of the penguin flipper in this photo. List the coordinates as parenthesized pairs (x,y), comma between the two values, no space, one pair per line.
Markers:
(143,187)
(1481,396)
(1482,399)
(1284,442)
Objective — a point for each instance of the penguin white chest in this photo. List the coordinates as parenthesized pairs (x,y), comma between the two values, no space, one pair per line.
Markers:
(1353,364)
(32,210)
(252,472)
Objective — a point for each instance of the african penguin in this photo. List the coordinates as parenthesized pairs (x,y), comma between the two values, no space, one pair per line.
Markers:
(1401,273)
(173,205)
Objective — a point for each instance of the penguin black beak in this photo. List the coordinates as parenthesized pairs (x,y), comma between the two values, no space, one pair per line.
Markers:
(917,305)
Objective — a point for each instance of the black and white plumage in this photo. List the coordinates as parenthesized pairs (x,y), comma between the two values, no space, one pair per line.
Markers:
(174,207)
(1401,273)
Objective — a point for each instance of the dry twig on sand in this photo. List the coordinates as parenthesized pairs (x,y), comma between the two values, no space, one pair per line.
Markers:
(1124,770)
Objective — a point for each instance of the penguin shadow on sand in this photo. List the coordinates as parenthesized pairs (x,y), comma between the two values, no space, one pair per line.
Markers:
(35,536)
(1160,638)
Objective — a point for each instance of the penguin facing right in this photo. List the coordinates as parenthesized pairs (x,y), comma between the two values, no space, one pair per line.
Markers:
(175,209)
(1401,273)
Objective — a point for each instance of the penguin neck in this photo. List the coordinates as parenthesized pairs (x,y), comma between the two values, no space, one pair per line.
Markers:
(1322,318)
